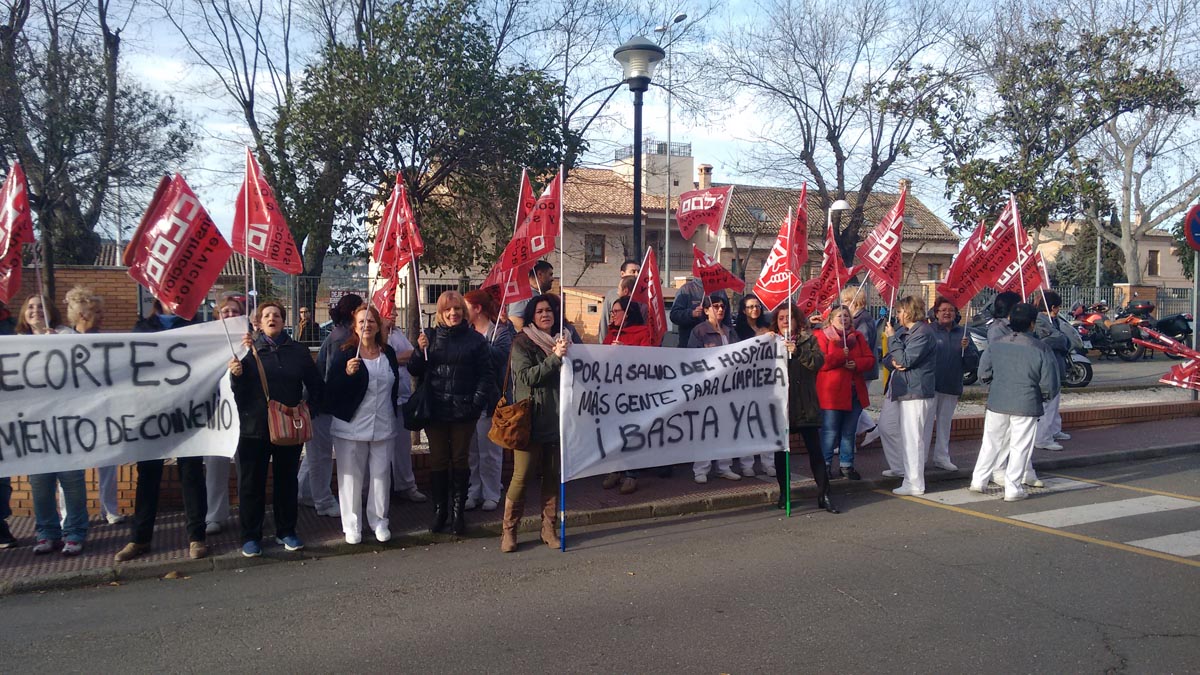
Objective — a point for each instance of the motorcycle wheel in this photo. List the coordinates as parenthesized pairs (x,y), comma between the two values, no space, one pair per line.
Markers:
(1079,374)
(970,377)
(1130,352)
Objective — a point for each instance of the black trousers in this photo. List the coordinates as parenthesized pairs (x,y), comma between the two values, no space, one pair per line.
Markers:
(816,461)
(254,460)
(149,486)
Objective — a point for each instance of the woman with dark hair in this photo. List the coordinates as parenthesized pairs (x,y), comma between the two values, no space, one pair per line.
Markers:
(804,409)
(35,312)
(316,468)
(751,322)
(485,457)
(361,396)
(626,326)
(537,359)
(460,384)
(216,469)
(291,377)
(306,328)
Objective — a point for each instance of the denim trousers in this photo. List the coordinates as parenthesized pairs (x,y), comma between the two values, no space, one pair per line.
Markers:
(837,433)
(74,526)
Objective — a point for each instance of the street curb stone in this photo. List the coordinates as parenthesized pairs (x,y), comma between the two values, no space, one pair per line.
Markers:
(801,490)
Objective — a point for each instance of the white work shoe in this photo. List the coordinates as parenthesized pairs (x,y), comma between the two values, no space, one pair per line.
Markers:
(489,505)
(472,504)
(998,478)
(334,511)
(1034,482)
(1062,436)
(702,479)
(382,534)
(946,466)
(353,538)
(976,488)
(905,491)
(1049,446)
(729,475)
(771,471)
(748,472)
(1015,496)
(888,473)
(414,495)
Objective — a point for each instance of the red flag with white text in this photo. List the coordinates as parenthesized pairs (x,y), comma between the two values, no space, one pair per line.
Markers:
(536,234)
(798,239)
(16,230)
(703,208)
(259,229)
(384,299)
(819,292)
(177,251)
(385,252)
(879,254)
(1023,274)
(409,245)
(513,285)
(983,258)
(647,291)
(1185,375)
(712,275)
(778,280)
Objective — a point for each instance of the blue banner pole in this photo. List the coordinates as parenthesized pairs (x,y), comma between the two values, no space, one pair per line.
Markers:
(787,480)
(562,516)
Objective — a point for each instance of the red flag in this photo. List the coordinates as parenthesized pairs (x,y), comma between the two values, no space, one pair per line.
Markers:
(512,285)
(647,290)
(176,252)
(705,207)
(16,229)
(880,253)
(384,299)
(821,291)
(1185,375)
(778,280)
(409,246)
(983,259)
(1023,274)
(798,246)
(961,282)
(259,229)
(536,234)
(712,275)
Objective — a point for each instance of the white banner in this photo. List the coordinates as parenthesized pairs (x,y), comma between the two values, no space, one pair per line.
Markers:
(628,408)
(79,401)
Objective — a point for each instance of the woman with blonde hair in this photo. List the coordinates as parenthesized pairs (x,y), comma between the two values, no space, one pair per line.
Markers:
(454,364)
(912,357)
(841,389)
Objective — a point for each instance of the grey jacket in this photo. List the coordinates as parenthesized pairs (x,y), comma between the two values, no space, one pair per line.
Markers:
(704,335)
(1047,332)
(864,324)
(687,298)
(915,350)
(1021,372)
(949,372)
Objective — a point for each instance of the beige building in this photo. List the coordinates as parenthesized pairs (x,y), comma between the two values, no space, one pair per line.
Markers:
(1159,265)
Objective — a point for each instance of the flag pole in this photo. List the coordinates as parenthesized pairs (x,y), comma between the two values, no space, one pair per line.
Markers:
(791,276)
(37,270)
(562,232)
(228,338)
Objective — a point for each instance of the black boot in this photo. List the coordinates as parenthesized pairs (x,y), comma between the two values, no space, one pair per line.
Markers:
(439,488)
(782,477)
(824,502)
(458,520)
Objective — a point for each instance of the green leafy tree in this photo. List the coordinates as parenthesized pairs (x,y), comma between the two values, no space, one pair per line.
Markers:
(1079,268)
(1182,250)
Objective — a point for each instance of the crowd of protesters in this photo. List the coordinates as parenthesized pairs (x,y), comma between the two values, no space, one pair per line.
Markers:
(358,384)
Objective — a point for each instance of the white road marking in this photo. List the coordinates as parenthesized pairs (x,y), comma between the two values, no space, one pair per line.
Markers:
(1184,544)
(1094,513)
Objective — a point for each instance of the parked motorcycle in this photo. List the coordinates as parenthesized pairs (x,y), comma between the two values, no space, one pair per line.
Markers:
(1109,337)
(1079,369)
(1178,326)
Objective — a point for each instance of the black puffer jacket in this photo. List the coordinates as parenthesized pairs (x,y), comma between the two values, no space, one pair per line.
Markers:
(291,376)
(459,368)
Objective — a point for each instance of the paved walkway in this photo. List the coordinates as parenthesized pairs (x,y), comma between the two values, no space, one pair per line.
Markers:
(587,503)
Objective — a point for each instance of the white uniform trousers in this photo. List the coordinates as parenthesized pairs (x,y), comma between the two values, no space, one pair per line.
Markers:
(216,481)
(355,460)
(108,491)
(943,414)
(316,468)
(701,468)
(767,460)
(403,479)
(486,459)
(1005,435)
(1049,423)
(890,435)
(916,426)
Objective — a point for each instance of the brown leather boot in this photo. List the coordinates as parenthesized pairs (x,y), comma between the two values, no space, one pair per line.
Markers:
(512,517)
(549,531)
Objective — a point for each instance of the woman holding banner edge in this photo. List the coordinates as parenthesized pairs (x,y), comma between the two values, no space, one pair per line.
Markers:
(291,377)
(804,409)
(537,359)
(751,321)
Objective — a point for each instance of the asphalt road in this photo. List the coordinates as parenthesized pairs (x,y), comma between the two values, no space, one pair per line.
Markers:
(891,585)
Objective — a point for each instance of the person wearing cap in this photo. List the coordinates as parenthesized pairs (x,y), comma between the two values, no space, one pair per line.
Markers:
(1022,374)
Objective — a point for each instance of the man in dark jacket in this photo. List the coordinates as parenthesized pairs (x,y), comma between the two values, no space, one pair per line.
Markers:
(1053,331)
(1021,372)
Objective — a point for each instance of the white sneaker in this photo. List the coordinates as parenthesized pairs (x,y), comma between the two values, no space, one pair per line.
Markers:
(414,495)
(975,488)
(1062,436)
(771,471)
(998,479)
(1034,482)
(353,538)
(472,504)
(212,528)
(701,479)
(1049,446)
(382,534)
(946,466)
(748,473)
(729,475)
(888,473)
(905,491)
(489,505)
(330,511)
(1016,496)
(115,518)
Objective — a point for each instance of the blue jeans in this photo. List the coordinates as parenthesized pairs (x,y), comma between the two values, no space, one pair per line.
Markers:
(837,432)
(74,526)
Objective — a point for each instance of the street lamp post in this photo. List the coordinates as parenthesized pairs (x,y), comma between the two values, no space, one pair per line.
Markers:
(638,57)
(668,28)
(839,205)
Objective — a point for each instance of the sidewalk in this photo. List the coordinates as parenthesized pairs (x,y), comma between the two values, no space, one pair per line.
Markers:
(587,503)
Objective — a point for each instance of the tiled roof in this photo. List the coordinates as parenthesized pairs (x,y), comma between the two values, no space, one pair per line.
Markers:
(109,255)
(605,192)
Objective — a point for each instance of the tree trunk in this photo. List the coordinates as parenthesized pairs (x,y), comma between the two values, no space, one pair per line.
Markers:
(1133,264)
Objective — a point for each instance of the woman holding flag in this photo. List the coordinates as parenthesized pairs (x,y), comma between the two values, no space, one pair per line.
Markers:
(841,389)
(804,409)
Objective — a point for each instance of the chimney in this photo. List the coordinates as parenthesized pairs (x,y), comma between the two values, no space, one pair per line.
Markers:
(905,184)
(704,176)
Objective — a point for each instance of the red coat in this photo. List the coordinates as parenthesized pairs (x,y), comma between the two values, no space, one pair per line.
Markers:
(633,336)
(836,384)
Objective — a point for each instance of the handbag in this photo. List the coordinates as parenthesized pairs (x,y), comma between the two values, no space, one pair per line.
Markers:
(511,423)
(288,425)
(418,409)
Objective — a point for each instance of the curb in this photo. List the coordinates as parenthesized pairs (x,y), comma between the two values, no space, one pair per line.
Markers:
(801,490)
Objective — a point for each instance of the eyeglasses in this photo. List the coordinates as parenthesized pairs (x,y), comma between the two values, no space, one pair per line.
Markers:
(753,307)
